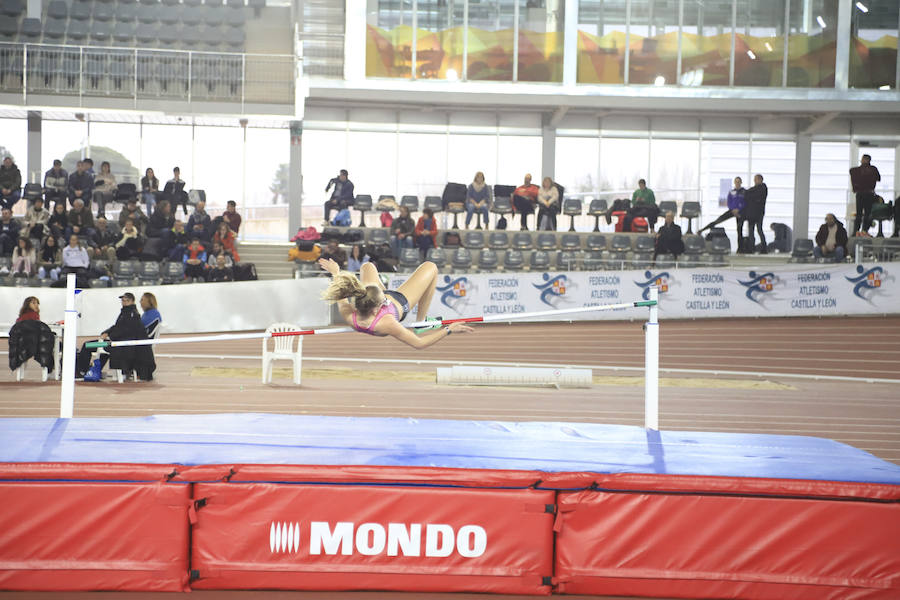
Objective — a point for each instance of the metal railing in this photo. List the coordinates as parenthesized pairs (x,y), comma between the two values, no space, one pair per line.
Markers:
(138,74)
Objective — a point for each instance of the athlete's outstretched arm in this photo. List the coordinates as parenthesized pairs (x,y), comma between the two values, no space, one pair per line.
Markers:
(427,339)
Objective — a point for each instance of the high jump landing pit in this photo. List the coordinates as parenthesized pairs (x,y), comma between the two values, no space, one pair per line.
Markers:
(293,502)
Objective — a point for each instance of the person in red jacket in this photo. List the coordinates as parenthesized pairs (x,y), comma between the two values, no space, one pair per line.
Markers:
(426,232)
(226,237)
(31,310)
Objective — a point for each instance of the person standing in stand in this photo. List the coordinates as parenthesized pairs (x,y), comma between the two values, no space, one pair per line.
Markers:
(863,178)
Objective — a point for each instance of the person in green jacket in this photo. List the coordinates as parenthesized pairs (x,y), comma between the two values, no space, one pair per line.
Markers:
(643,204)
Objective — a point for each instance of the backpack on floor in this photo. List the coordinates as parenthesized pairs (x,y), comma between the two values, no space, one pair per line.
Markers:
(245,272)
(501,223)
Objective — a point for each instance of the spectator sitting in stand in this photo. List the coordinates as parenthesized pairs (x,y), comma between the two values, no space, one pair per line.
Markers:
(23,258)
(341,197)
(105,187)
(402,232)
(130,241)
(194,259)
(89,167)
(643,204)
(150,319)
(50,258)
(226,237)
(56,184)
(10,183)
(162,221)
(9,232)
(221,272)
(81,221)
(103,241)
(335,253)
(668,238)
(478,199)
(218,250)
(357,258)
(59,222)
(831,240)
(149,190)
(81,184)
(133,211)
(426,232)
(175,193)
(524,198)
(548,205)
(75,259)
(232,217)
(36,219)
(177,241)
(199,223)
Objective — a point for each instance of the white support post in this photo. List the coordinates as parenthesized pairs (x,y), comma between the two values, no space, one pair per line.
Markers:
(70,333)
(651,364)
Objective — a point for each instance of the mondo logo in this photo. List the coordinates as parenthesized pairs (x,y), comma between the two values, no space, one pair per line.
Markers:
(284,537)
(371,539)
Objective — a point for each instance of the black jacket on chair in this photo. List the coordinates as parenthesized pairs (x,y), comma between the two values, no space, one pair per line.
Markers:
(138,358)
(31,339)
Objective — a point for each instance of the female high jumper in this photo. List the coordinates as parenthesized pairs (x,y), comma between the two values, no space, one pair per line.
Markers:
(369,308)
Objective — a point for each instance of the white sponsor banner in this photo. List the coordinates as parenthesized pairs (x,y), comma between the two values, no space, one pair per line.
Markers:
(188,308)
(783,291)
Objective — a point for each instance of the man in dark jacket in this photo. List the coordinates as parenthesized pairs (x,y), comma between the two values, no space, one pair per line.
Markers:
(864,177)
(342,196)
(668,238)
(10,183)
(755,211)
(9,232)
(81,185)
(130,358)
(831,240)
(56,183)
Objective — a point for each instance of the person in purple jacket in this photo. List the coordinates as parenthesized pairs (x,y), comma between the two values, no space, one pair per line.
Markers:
(735,209)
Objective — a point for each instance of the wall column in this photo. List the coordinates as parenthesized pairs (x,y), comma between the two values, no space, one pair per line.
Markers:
(548,152)
(33,172)
(295,179)
(802,160)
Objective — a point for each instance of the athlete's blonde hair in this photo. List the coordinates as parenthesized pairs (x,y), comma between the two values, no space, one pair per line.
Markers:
(346,285)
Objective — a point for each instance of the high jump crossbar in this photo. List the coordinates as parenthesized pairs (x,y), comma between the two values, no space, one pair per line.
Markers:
(332,330)
(651,337)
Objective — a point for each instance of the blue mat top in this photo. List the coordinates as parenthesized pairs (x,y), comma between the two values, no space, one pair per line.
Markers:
(251,438)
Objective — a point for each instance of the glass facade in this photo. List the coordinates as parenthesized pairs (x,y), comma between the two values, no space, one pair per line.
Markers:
(748,43)
(490,40)
(873,44)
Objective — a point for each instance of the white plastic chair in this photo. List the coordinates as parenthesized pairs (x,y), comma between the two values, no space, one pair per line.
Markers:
(20,372)
(284,350)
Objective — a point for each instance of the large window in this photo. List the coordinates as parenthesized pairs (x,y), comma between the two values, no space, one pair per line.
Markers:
(268,155)
(164,147)
(60,139)
(873,47)
(14,142)
(120,144)
(422,164)
(577,162)
(496,40)
(812,43)
(601,41)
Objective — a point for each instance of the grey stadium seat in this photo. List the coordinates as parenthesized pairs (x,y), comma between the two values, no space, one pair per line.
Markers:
(693,244)
(570,241)
(513,260)
(597,209)
(546,241)
(487,260)
(379,235)
(522,241)
(438,257)
(644,243)
(410,202)
(593,261)
(596,242)
(540,260)
(566,260)
(473,240)
(498,240)
(409,259)
(620,243)
(802,250)
(572,208)
(461,259)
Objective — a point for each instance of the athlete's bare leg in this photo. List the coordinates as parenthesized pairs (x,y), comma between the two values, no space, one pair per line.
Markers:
(419,288)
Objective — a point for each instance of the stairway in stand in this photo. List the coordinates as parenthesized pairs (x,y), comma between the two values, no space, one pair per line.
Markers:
(270,259)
